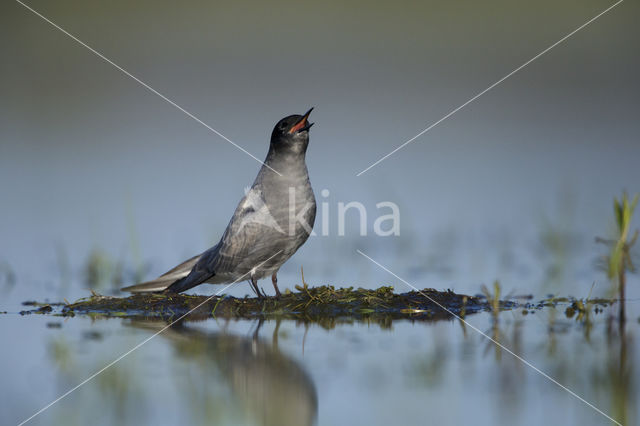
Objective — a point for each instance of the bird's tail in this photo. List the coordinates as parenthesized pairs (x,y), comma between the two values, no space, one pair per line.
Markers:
(158,284)
(164,281)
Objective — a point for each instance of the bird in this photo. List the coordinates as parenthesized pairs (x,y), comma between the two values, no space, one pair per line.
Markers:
(273,219)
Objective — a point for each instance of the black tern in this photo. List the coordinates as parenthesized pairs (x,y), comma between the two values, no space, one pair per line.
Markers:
(271,222)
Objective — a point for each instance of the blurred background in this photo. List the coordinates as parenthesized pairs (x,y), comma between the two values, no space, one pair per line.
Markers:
(101,179)
(103,183)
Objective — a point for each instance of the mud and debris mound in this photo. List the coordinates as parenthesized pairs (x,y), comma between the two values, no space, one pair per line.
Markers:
(322,304)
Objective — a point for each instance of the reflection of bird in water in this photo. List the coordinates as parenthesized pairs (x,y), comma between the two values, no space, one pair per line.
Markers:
(271,388)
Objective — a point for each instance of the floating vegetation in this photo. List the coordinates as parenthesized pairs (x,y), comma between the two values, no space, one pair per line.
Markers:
(583,310)
(40,308)
(323,304)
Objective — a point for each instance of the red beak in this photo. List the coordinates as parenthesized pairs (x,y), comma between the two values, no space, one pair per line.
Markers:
(303,124)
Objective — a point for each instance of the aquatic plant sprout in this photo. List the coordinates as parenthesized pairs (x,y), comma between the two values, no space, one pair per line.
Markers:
(619,259)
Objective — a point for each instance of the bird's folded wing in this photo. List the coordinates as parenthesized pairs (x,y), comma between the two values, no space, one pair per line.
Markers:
(166,279)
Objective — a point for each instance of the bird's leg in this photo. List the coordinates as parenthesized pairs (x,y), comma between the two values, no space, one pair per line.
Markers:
(254,284)
(274,280)
(254,287)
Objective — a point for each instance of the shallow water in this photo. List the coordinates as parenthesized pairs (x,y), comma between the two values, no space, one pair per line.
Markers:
(280,373)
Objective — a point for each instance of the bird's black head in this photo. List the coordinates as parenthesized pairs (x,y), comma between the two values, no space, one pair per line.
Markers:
(292,133)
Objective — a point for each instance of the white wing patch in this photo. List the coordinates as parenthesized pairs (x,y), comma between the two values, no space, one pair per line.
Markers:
(254,210)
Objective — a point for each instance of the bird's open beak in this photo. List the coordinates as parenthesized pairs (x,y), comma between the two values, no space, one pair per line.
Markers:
(303,124)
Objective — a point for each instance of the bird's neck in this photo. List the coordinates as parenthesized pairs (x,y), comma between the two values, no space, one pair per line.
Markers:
(288,164)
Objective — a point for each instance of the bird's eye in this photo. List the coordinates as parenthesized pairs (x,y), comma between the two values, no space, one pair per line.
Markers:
(283,126)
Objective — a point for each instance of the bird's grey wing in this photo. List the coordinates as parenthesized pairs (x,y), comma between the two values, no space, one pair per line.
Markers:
(198,274)
(166,279)
(244,245)
(252,236)
(183,268)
